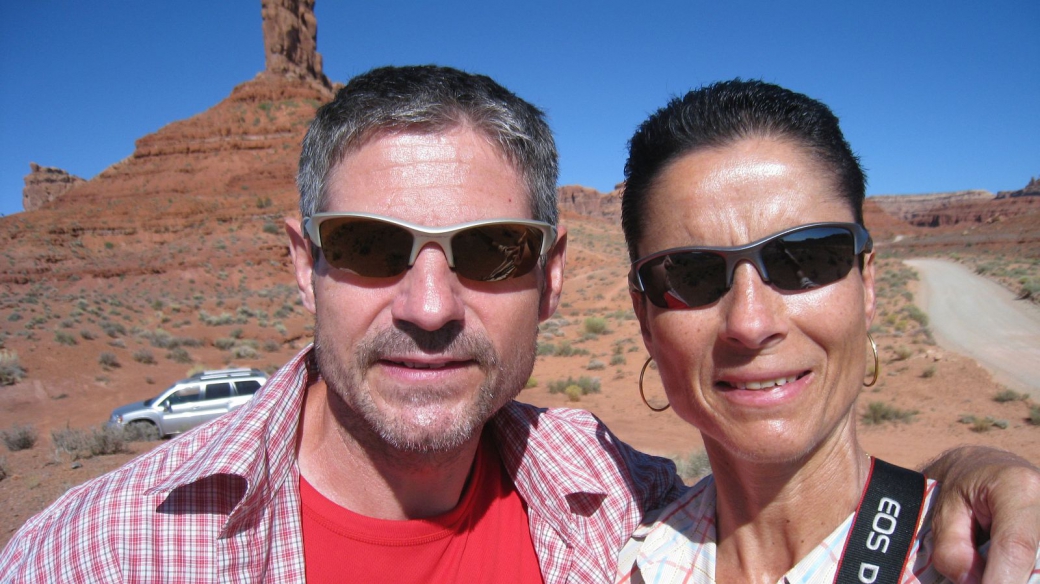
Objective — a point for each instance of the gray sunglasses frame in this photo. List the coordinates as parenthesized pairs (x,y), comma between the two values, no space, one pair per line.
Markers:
(752,252)
(422,235)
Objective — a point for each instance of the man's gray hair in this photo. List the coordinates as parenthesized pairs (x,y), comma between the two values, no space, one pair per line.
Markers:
(429,99)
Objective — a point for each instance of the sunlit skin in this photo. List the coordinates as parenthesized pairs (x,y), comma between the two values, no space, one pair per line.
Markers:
(777,452)
(428,398)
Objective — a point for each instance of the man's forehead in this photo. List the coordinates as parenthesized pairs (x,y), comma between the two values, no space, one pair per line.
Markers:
(457,170)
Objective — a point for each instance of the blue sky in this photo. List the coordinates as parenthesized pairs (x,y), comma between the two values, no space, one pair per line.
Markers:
(933,95)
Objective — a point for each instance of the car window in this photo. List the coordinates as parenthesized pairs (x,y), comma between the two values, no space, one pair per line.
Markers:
(185,395)
(247,387)
(218,391)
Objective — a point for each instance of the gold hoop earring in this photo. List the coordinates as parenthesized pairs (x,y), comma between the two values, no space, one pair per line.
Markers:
(643,397)
(877,362)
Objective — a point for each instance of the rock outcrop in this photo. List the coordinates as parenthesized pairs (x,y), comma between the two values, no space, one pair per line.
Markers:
(291,41)
(589,202)
(1032,190)
(937,209)
(43,184)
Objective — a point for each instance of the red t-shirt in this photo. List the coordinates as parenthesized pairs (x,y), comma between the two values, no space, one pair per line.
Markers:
(486,537)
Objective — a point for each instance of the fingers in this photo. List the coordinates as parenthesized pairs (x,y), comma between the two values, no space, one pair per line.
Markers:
(954,554)
(1015,533)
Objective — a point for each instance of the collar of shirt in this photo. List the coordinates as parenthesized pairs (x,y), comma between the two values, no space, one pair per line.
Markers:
(271,419)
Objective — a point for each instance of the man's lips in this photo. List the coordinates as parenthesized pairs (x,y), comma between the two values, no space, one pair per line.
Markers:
(425,364)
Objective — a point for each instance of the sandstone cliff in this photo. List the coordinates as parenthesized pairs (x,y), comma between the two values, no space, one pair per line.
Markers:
(589,202)
(43,184)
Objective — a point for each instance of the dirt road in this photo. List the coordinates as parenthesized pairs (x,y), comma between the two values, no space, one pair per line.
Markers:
(979,318)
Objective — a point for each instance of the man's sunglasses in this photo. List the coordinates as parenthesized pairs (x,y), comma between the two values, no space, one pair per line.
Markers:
(801,258)
(380,247)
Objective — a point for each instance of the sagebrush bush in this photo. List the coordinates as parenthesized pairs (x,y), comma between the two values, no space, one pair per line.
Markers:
(587,384)
(879,412)
(85,443)
(11,370)
(19,438)
(144,356)
(108,360)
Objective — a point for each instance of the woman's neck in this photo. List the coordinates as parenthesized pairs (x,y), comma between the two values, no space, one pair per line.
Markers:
(771,514)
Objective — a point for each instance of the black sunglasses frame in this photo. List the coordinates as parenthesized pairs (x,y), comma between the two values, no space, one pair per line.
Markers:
(751,252)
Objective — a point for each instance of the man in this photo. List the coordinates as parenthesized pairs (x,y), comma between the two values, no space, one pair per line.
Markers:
(429,250)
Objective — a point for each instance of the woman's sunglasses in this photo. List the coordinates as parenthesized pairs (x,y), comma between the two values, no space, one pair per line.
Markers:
(380,247)
(801,258)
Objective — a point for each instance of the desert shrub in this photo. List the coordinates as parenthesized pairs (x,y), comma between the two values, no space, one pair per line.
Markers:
(272,228)
(596,365)
(1034,415)
(87,335)
(880,412)
(144,356)
(617,359)
(595,325)
(587,384)
(140,432)
(11,370)
(903,353)
(19,438)
(244,352)
(86,443)
(272,346)
(531,382)
(5,470)
(179,355)
(64,338)
(108,360)
(984,424)
(546,348)
(112,329)
(693,466)
(565,349)
(224,343)
(928,371)
(573,393)
(916,313)
(1008,395)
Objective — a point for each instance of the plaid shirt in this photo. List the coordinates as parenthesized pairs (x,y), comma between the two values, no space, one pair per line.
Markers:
(222,503)
(679,546)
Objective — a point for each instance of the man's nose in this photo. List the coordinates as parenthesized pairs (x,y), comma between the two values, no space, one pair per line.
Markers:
(429,294)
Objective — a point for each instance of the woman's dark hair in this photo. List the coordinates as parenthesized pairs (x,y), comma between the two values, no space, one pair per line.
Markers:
(722,113)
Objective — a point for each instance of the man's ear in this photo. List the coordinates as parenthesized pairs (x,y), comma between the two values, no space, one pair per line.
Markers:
(554,267)
(303,261)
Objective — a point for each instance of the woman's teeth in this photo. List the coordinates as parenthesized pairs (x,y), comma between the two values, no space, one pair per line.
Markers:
(763,384)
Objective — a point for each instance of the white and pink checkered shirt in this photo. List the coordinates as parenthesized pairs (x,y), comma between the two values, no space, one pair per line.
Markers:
(679,546)
(222,502)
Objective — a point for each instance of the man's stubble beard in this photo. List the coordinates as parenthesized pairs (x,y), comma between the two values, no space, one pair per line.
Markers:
(351,399)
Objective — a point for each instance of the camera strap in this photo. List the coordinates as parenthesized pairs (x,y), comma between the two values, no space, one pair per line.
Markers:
(884,526)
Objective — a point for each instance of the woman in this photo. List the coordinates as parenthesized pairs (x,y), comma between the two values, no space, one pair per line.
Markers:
(753,281)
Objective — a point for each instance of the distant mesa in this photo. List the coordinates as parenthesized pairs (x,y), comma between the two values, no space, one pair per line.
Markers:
(43,184)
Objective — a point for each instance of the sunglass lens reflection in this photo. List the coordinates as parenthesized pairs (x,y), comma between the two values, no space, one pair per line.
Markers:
(809,259)
(368,248)
(496,252)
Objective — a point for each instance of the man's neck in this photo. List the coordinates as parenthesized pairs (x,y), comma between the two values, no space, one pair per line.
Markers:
(357,470)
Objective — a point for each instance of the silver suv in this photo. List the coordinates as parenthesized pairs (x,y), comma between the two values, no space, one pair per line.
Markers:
(190,402)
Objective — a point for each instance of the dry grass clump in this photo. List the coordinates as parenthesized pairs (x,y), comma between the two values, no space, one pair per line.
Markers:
(85,443)
(880,412)
(19,438)
(11,370)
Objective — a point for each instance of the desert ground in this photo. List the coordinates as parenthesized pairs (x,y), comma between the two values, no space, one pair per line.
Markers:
(99,339)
